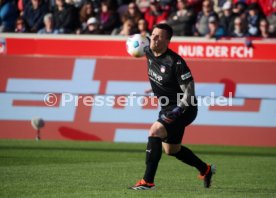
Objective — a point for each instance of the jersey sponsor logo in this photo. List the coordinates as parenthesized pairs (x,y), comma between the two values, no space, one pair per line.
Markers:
(186,76)
(155,76)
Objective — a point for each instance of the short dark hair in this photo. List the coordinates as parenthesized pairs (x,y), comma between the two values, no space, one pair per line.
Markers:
(165,27)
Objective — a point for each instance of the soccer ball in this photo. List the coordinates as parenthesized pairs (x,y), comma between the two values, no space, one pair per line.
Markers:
(135,45)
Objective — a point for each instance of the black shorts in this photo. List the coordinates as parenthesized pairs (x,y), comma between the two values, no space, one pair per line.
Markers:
(175,130)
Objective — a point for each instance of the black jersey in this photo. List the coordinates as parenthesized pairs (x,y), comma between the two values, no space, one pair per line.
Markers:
(166,73)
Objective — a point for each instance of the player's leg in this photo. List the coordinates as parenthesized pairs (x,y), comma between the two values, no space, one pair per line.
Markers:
(172,145)
(187,156)
(153,156)
(154,150)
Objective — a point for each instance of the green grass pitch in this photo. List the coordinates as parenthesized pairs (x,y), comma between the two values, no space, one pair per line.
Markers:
(95,169)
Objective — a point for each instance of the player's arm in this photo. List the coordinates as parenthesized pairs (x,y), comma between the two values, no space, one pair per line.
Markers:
(186,83)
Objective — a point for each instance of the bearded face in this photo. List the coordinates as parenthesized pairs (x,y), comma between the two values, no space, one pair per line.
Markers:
(158,40)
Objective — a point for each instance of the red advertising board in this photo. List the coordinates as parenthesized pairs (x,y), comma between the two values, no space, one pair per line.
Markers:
(112,46)
(79,99)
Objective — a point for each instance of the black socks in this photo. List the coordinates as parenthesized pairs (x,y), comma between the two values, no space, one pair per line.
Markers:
(153,156)
(187,156)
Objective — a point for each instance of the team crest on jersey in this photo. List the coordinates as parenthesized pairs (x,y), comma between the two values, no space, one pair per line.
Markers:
(162,69)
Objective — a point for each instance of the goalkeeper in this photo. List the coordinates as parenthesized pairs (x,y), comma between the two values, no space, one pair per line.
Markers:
(171,80)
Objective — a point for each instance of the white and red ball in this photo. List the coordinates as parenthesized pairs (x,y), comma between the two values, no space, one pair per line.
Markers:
(135,45)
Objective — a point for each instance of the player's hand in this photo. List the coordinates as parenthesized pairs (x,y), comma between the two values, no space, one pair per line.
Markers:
(171,116)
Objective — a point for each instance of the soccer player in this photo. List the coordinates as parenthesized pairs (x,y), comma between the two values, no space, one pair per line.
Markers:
(170,79)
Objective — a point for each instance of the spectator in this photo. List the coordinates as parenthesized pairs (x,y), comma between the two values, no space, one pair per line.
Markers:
(65,17)
(96,5)
(272,23)
(264,27)
(128,28)
(155,14)
(122,7)
(20,26)
(49,25)
(266,6)
(86,12)
(8,15)
(202,27)
(167,5)
(196,5)
(75,3)
(132,13)
(34,12)
(218,4)
(182,20)
(215,30)
(22,4)
(20,7)
(240,9)
(143,5)
(92,26)
(253,19)
(109,18)
(239,28)
(227,18)
(143,27)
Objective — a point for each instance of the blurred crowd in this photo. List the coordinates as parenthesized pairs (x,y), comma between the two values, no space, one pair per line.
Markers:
(202,18)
